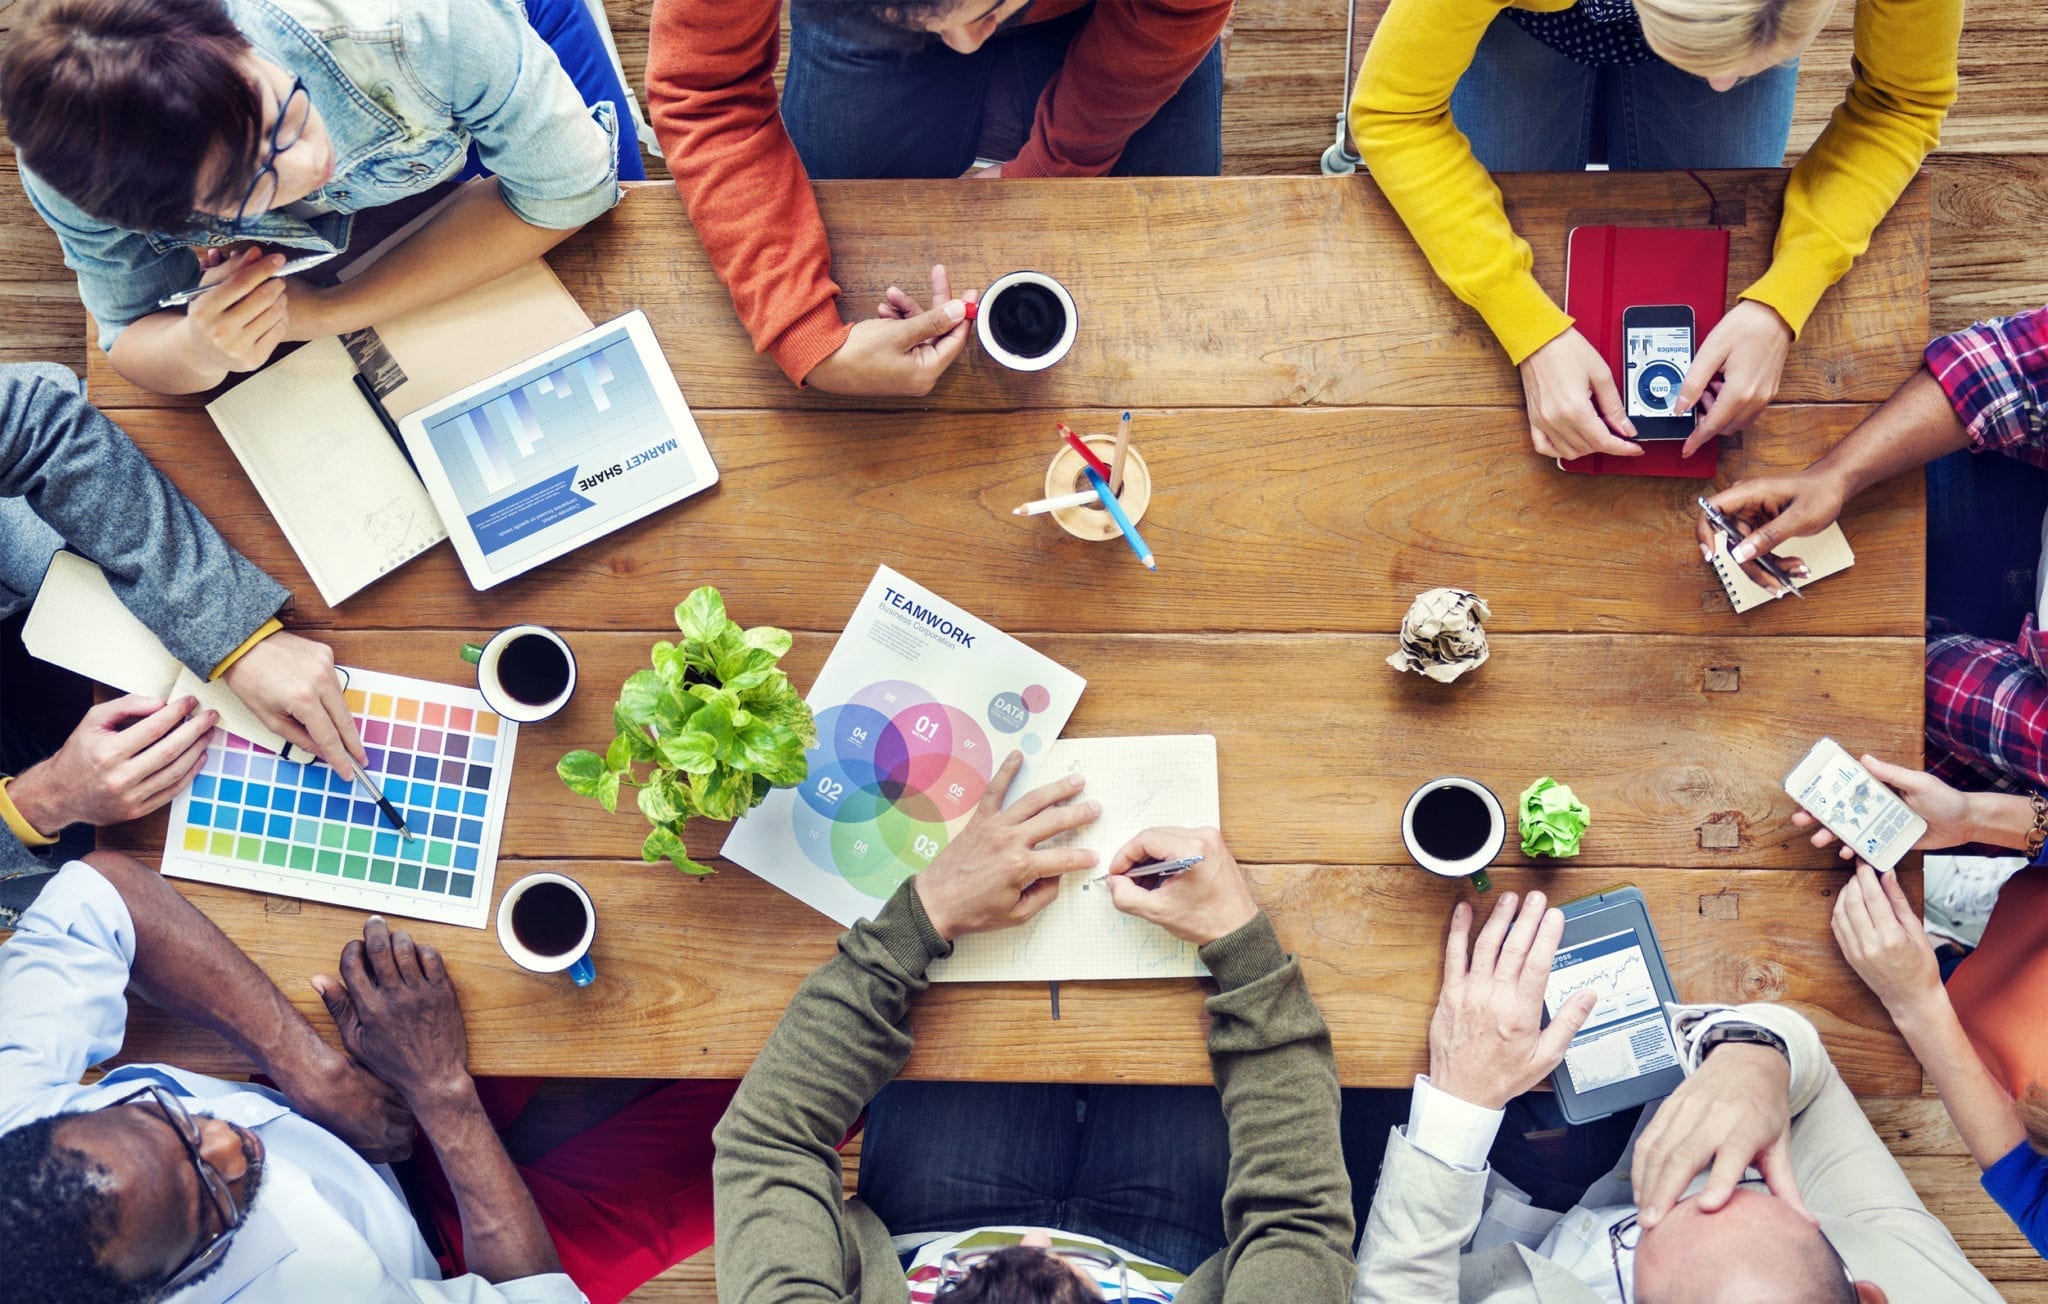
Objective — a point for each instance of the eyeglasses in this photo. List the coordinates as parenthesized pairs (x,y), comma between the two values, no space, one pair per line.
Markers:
(225,1206)
(287,131)
(954,1265)
(1625,1234)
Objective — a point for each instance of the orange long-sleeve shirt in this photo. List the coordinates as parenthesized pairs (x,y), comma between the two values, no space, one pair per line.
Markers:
(711,89)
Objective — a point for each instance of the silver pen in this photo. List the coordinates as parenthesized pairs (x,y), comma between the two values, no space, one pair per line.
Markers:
(1159,871)
(1768,563)
(292,267)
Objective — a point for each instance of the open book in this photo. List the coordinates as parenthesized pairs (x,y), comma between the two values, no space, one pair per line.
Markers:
(79,623)
(1824,554)
(1141,782)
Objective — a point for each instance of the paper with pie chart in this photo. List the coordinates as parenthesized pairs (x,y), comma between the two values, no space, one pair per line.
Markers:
(916,706)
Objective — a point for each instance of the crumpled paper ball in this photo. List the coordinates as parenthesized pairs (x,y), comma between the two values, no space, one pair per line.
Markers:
(1553,819)
(1443,635)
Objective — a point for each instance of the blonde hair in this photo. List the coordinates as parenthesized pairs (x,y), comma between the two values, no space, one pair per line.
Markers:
(1722,38)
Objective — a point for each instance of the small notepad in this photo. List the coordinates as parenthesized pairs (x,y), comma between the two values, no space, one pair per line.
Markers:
(79,623)
(336,482)
(1824,554)
(1141,783)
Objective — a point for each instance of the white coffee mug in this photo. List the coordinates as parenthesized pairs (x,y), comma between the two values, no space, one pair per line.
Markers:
(486,658)
(989,305)
(1474,865)
(582,969)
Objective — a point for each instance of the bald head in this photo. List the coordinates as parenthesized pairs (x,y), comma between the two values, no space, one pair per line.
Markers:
(1755,1250)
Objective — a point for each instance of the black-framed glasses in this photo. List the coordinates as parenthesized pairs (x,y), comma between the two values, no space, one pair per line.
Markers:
(287,131)
(1627,1233)
(954,1265)
(225,1206)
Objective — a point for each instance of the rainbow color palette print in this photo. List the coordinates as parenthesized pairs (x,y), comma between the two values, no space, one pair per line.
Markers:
(917,706)
(253,819)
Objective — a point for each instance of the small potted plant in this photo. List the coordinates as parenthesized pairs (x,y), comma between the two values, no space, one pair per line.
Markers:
(716,723)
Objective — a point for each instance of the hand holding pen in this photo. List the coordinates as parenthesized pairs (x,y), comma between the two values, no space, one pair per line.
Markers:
(1751,548)
(1207,897)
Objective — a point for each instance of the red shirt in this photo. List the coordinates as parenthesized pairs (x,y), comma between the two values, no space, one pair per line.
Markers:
(711,89)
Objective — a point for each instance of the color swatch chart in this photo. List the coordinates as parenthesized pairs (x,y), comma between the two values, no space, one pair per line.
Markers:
(254,819)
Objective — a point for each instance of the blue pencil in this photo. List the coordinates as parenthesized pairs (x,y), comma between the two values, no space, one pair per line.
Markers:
(1123,522)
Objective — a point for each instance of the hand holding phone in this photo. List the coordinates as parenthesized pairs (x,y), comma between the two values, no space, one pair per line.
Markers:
(1871,820)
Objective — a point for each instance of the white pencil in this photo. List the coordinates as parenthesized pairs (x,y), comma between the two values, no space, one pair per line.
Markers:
(1044,505)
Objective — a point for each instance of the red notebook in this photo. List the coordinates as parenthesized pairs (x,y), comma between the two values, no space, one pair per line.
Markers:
(1608,269)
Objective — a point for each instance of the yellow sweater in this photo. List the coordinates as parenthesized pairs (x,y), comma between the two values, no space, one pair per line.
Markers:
(1905,79)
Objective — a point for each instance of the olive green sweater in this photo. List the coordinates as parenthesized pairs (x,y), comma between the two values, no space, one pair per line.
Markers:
(785,1233)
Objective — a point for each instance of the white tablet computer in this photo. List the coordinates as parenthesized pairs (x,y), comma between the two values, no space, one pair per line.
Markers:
(564,448)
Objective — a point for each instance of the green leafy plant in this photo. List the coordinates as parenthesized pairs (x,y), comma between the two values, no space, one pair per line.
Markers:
(716,723)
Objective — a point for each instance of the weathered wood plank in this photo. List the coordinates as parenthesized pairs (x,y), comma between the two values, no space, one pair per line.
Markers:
(1988,259)
(1321,743)
(694,973)
(1355,511)
(1246,292)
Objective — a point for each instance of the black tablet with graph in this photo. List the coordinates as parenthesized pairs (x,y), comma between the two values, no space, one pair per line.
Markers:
(1625,1054)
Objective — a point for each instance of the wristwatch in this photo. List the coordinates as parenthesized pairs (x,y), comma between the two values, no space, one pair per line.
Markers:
(1746,1034)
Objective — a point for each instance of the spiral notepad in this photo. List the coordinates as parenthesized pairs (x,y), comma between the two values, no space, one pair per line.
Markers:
(1824,554)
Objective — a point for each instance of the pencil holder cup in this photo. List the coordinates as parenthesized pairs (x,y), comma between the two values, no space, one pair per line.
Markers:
(1090,522)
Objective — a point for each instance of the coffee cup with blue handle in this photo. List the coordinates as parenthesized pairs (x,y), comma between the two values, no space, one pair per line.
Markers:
(547,923)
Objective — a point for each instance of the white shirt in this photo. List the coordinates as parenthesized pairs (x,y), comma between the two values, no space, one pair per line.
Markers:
(326,1224)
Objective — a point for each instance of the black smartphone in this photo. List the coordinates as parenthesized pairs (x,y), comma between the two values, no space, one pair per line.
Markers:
(1656,352)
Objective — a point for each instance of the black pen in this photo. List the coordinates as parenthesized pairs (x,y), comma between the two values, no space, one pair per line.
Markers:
(384,419)
(1764,560)
(362,776)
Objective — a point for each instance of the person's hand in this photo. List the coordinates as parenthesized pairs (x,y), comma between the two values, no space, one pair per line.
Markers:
(1768,511)
(239,325)
(903,350)
(126,758)
(1883,940)
(1947,811)
(1735,1112)
(1487,1042)
(1745,353)
(340,1094)
(995,875)
(1212,900)
(397,1013)
(289,682)
(1572,401)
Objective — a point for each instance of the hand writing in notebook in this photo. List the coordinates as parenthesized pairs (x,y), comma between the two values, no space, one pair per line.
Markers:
(1771,510)
(289,682)
(1212,899)
(995,874)
(1574,408)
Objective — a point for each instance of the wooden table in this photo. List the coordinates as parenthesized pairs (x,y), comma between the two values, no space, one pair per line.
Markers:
(1331,433)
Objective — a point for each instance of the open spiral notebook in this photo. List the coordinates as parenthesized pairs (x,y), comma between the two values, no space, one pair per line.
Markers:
(1824,554)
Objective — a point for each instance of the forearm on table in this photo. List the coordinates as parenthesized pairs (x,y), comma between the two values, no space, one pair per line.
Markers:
(186,966)
(1913,427)
(1982,1109)
(503,1237)
(475,239)
(157,353)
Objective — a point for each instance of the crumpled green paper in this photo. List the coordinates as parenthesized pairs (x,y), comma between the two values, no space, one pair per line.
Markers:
(1553,819)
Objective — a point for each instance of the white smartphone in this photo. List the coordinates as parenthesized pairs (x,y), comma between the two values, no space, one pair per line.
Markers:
(1850,803)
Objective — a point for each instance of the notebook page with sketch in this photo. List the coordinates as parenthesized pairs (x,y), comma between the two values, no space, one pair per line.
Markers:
(1825,554)
(1141,782)
(337,484)
(80,623)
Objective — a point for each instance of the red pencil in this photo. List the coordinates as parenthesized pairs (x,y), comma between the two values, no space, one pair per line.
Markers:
(1081,447)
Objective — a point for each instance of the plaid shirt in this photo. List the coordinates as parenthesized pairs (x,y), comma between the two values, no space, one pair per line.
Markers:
(1987,701)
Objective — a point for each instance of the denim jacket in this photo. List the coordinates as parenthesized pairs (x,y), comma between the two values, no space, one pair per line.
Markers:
(404,87)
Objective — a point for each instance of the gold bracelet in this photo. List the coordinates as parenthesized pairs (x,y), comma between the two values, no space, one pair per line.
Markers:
(2038,834)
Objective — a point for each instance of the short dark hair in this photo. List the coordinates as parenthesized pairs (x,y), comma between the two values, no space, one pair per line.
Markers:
(1019,1275)
(894,25)
(121,105)
(55,1218)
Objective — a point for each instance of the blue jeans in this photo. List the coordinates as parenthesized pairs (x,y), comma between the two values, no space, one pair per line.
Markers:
(862,111)
(1142,1168)
(1527,108)
(571,32)
(1984,517)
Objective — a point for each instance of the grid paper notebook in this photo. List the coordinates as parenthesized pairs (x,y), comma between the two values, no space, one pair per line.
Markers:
(1824,554)
(1141,782)
(253,819)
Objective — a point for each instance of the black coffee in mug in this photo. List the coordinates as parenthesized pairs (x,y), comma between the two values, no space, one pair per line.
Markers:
(533,669)
(1451,823)
(549,919)
(1027,319)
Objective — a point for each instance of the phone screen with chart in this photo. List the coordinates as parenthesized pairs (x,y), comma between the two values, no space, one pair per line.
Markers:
(1655,360)
(1627,1035)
